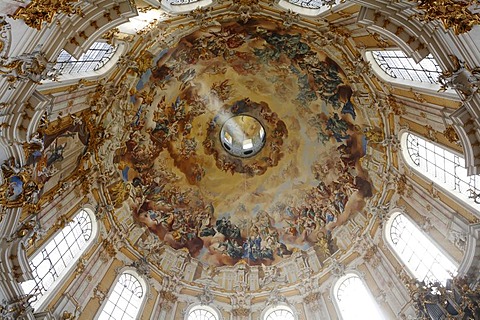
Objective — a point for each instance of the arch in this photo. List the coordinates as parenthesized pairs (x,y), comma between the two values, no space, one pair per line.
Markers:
(423,259)
(126,298)
(57,257)
(202,312)
(353,299)
(441,166)
(279,312)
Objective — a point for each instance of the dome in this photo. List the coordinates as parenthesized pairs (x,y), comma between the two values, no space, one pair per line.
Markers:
(236,160)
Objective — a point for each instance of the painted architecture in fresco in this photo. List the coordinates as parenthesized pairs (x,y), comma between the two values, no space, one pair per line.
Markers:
(179,181)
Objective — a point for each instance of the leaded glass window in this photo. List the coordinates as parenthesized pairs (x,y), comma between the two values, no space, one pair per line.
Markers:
(397,65)
(95,58)
(310,4)
(280,313)
(125,300)
(354,300)
(180,2)
(417,252)
(58,256)
(201,313)
(443,167)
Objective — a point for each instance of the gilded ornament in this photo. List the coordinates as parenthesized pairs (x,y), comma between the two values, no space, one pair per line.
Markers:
(167,296)
(241,312)
(374,135)
(431,134)
(312,298)
(402,185)
(451,134)
(454,14)
(39,11)
(417,96)
(289,18)
(110,35)
(67,316)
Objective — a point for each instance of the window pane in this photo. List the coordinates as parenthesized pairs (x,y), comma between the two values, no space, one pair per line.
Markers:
(54,260)
(397,65)
(201,314)
(443,167)
(311,4)
(180,2)
(280,314)
(125,300)
(355,301)
(95,58)
(418,253)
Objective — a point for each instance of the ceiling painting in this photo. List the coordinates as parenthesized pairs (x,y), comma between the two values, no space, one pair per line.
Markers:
(178,178)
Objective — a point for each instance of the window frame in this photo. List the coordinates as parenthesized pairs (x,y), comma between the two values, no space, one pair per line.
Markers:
(141,280)
(458,197)
(413,69)
(91,60)
(65,274)
(340,281)
(197,306)
(281,305)
(387,239)
(311,12)
(102,72)
(427,88)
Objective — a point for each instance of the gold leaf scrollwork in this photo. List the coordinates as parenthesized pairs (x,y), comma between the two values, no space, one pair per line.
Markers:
(454,14)
(39,11)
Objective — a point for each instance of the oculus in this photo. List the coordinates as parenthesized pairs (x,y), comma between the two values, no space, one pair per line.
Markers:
(242,136)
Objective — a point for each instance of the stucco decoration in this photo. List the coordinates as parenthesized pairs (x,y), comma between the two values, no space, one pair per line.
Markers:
(306,181)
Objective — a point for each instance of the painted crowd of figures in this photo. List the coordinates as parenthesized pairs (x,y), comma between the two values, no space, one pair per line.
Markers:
(182,100)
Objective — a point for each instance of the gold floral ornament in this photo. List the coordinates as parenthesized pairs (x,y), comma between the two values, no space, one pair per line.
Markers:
(39,11)
(454,14)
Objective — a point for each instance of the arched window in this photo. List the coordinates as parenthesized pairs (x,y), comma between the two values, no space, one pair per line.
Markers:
(354,300)
(308,7)
(310,4)
(181,6)
(51,263)
(126,298)
(95,58)
(397,65)
(202,313)
(279,312)
(441,166)
(424,260)
(180,2)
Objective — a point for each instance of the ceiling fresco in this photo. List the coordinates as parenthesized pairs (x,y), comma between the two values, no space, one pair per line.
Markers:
(178,180)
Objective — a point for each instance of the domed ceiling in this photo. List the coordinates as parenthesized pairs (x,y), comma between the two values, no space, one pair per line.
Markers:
(178,178)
